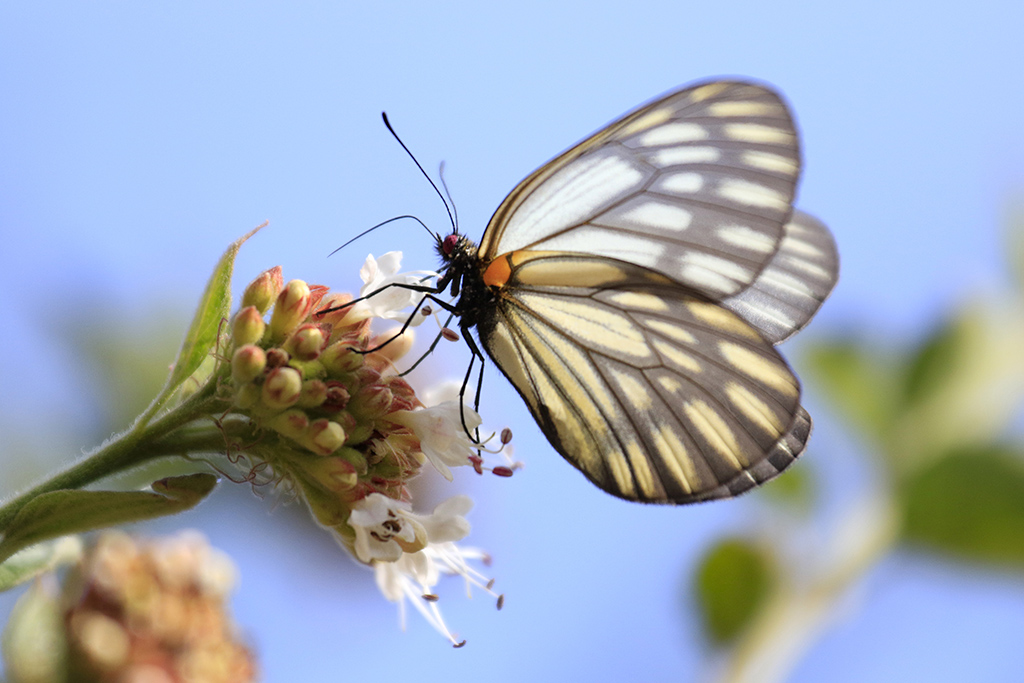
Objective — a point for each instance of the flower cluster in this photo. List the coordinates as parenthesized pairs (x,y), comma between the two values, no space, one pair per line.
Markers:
(153,611)
(345,432)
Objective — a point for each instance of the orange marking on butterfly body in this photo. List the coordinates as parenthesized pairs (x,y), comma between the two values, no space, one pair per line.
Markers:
(498,271)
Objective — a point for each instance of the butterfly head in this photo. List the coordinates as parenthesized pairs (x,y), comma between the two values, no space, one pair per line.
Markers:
(455,248)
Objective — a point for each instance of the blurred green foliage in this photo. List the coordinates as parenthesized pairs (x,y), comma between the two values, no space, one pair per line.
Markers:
(733,581)
(935,421)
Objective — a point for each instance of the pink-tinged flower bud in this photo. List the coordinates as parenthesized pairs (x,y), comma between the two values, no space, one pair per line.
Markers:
(306,343)
(247,396)
(331,311)
(292,423)
(262,291)
(340,359)
(314,393)
(337,397)
(247,363)
(292,308)
(277,358)
(374,400)
(247,327)
(405,397)
(324,437)
(396,347)
(334,474)
(367,375)
(282,388)
(316,294)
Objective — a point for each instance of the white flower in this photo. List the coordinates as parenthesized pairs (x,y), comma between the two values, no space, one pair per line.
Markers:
(414,576)
(443,439)
(387,529)
(391,303)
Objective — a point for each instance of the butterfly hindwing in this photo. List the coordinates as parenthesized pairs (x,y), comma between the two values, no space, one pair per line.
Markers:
(792,286)
(655,393)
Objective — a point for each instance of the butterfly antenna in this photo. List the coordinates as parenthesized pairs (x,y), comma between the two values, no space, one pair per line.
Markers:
(447,208)
(369,230)
(448,193)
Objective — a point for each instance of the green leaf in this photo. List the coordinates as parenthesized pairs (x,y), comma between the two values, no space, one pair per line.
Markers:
(937,359)
(60,513)
(969,505)
(214,307)
(732,583)
(860,386)
(38,559)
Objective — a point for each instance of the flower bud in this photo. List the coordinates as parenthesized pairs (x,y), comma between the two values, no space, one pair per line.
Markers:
(324,437)
(374,400)
(314,393)
(262,291)
(292,423)
(316,294)
(397,347)
(340,359)
(335,314)
(247,327)
(333,473)
(337,397)
(247,363)
(306,343)
(405,397)
(282,388)
(292,308)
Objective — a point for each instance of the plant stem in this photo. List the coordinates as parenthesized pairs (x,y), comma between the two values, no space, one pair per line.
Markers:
(129,449)
(805,603)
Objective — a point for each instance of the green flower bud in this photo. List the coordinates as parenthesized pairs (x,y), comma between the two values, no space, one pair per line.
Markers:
(262,291)
(324,437)
(247,327)
(282,388)
(314,393)
(340,359)
(306,343)
(291,423)
(333,473)
(292,308)
(247,363)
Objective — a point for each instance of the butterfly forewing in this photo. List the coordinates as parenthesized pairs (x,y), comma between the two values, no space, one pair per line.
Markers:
(656,394)
(697,185)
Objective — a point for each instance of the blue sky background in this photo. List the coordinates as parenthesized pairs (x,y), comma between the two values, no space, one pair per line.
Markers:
(138,139)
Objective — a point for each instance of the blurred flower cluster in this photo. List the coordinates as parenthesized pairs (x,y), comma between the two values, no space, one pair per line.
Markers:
(132,611)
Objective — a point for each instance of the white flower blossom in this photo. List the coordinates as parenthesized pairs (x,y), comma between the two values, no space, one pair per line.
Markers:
(392,302)
(387,529)
(410,552)
(443,439)
(414,576)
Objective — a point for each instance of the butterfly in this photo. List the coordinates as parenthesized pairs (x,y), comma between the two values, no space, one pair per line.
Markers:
(633,289)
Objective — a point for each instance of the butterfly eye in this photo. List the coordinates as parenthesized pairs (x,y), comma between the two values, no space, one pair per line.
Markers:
(448,246)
